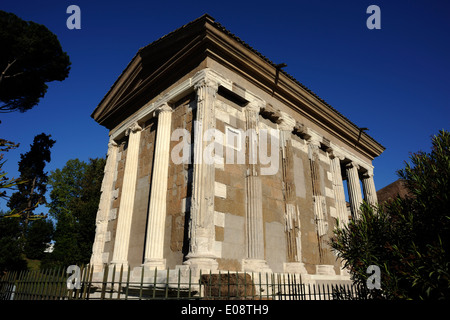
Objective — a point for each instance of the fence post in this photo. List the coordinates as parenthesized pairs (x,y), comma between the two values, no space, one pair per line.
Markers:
(178,289)
(267,286)
(48,284)
(210,286)
(23,289)
(120,282)
(220,285)
(91,271)
(64,291)
(260,285)
(84,281)
(141,286)
(167,284)
(128,282)
(104,283)
(33,285)
(154,281)
(228,280)
(200,284)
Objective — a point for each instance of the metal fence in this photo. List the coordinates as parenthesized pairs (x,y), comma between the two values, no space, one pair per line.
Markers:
(122,284)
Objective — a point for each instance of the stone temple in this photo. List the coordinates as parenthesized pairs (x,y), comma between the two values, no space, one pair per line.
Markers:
(220,160)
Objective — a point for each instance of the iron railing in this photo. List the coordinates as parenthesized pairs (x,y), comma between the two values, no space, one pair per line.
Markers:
(119,283)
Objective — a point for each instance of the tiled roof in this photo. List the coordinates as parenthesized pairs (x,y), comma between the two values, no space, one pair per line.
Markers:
(236,38)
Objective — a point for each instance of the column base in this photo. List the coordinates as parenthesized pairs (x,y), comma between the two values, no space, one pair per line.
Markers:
(294,267)
(119,263)
(325,269)
(155,263)
(255,265)
(114,271)
(203,264)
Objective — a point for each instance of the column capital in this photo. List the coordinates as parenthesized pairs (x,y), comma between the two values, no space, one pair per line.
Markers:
(367,174)
(112,143)
(206,82)
(313,141)
(255,106)
(302,131)
(336,154)
(163,108)
(352,164)
(133,128)
(287,123)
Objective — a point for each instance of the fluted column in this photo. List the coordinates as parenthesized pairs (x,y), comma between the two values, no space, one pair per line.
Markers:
(338,186)
(294,262)
(201,230)
(122,239)
(254,215)
(354,189)
(370,193)
(320,209)
(104,207)
(255,243)
(154,247)
(292,220)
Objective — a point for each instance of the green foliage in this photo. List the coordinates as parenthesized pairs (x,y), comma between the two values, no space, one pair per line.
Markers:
(34,232)
(11,257)
(74,202)
(38,236)
(30,56)
(31,192)
(407,238)
(5,183)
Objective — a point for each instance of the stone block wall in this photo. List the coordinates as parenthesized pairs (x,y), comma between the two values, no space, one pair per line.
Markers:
(298,201)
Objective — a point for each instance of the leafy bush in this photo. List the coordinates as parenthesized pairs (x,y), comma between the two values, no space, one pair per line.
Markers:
(408,238)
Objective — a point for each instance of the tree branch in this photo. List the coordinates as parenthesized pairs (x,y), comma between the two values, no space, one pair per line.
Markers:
(14,75)
(2,76)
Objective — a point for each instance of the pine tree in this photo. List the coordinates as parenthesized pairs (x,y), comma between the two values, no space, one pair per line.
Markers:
(31,192)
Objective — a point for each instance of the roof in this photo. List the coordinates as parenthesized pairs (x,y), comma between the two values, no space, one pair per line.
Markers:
(391,191)
(206,19)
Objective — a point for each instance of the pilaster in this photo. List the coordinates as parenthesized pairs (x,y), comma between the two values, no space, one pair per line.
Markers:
(201,230)
(320,208)
(254,216)
(294,262)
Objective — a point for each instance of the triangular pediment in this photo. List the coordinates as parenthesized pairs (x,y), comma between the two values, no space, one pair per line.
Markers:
(158,60)
(173,57)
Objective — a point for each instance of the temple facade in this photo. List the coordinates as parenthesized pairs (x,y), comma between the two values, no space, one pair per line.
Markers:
(219,160)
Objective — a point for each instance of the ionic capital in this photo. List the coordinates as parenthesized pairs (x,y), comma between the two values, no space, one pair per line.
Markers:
(163,108)
(302,131)
(206,82)
(112,144)
(133,128)
(287,123)
(255,106)
(314,141)
(352,164)
(335,154)
(367,175)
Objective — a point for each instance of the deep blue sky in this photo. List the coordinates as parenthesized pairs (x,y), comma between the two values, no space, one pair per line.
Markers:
(395,81)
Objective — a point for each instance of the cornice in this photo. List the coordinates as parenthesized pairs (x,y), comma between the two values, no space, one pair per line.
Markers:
(187,47)
(257,70)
